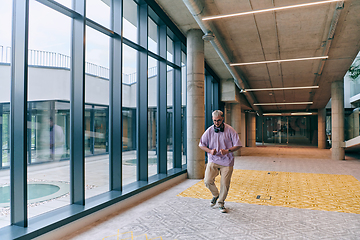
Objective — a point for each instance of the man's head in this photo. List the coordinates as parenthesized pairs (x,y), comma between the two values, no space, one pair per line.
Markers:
(217,117)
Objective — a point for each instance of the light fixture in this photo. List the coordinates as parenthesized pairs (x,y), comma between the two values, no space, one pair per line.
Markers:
(267,10)
(290,103)
(302,113)
(274,89)
(278,61)
(271,114)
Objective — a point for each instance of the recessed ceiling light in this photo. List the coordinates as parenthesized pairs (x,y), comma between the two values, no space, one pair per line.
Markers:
(272,114)
(274,89)
(290,103)
(302,113)
(267,10)
(278,61)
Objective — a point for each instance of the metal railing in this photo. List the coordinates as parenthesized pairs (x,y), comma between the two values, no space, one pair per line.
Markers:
(58,60)
(5,56)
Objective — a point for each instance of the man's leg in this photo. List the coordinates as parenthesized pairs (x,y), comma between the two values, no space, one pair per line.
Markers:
(212,170)
(225,173)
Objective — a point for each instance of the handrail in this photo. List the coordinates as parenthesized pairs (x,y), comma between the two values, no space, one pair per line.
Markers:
(58,60)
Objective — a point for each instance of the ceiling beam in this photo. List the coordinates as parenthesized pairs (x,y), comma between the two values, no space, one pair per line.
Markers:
(197,10)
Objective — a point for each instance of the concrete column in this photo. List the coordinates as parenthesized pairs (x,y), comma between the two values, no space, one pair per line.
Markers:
(195,104)
(321,128)
(337,120)
(227,113)
(236,121)
(243,129)
(251,133)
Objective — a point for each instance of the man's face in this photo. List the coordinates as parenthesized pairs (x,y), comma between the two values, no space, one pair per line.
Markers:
(217,121)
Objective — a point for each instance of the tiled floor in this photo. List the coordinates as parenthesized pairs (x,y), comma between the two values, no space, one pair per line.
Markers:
(168,216)
(58,172)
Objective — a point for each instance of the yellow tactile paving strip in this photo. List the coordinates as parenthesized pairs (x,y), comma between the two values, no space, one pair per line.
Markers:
(328,192)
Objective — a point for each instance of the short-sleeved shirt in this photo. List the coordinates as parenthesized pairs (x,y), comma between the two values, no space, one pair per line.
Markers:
(221,140)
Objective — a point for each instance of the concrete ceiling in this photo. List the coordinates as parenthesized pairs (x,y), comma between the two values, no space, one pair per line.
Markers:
(331,29)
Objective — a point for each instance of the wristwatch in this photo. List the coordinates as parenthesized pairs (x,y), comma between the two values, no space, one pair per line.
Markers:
(229,150)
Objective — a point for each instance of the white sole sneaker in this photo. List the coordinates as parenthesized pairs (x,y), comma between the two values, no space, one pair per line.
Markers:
(222,209)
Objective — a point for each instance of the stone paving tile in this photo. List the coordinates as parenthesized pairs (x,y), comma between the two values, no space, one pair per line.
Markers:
(173,217)
(243,221)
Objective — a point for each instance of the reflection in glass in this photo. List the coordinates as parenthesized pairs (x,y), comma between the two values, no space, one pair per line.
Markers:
(170,49)
(98,11)
(292,130)
(130,23)
(5,79)
(169,117)
(152,115)
(183,106)
(129,103)
(96,115)
(152,36)
(48,117)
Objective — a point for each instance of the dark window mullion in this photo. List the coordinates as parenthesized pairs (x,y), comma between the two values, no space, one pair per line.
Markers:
(142,96)
(177,106)
(162,104)
(115,106)
(77,108)
(18,114)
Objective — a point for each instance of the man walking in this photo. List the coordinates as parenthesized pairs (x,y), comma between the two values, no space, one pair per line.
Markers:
(219,141)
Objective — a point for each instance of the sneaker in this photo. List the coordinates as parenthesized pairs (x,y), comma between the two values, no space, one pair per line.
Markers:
(213,201)
(222,209)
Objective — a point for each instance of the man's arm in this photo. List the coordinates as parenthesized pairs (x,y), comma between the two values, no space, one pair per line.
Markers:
(211,151)
(232,149)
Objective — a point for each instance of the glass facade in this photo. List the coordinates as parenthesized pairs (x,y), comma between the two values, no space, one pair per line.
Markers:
(169,117)
(152,116)
(294,130)
(5,80)
(96,137)
(47,116)
(84,90)
(183,106)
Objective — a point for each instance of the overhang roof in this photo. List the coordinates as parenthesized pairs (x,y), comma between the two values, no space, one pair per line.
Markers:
(330,29)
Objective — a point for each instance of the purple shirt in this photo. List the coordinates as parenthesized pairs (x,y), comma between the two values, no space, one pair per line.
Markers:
(221,140)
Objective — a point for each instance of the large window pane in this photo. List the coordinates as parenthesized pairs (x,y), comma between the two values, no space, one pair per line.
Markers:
(5,72)
(183,106)
(170,49)
(48,83)
(152,115)
(129,98)
(96,112)
(98,11)
(153,36)
(67,3)
(169,117)
(130,23)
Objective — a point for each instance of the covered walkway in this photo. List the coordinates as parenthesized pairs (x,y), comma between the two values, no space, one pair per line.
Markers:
(172,215)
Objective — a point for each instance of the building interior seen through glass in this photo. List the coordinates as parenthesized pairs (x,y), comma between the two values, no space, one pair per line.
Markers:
(49,102)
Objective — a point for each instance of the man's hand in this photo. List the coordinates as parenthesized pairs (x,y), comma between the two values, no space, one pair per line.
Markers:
(213,151)
(224,152)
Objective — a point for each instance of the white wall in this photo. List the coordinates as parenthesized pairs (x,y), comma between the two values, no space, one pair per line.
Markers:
(5,73)
(54,84)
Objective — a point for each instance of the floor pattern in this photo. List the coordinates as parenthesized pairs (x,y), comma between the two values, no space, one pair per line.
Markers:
(188,218)
(328,192)
(129,236)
